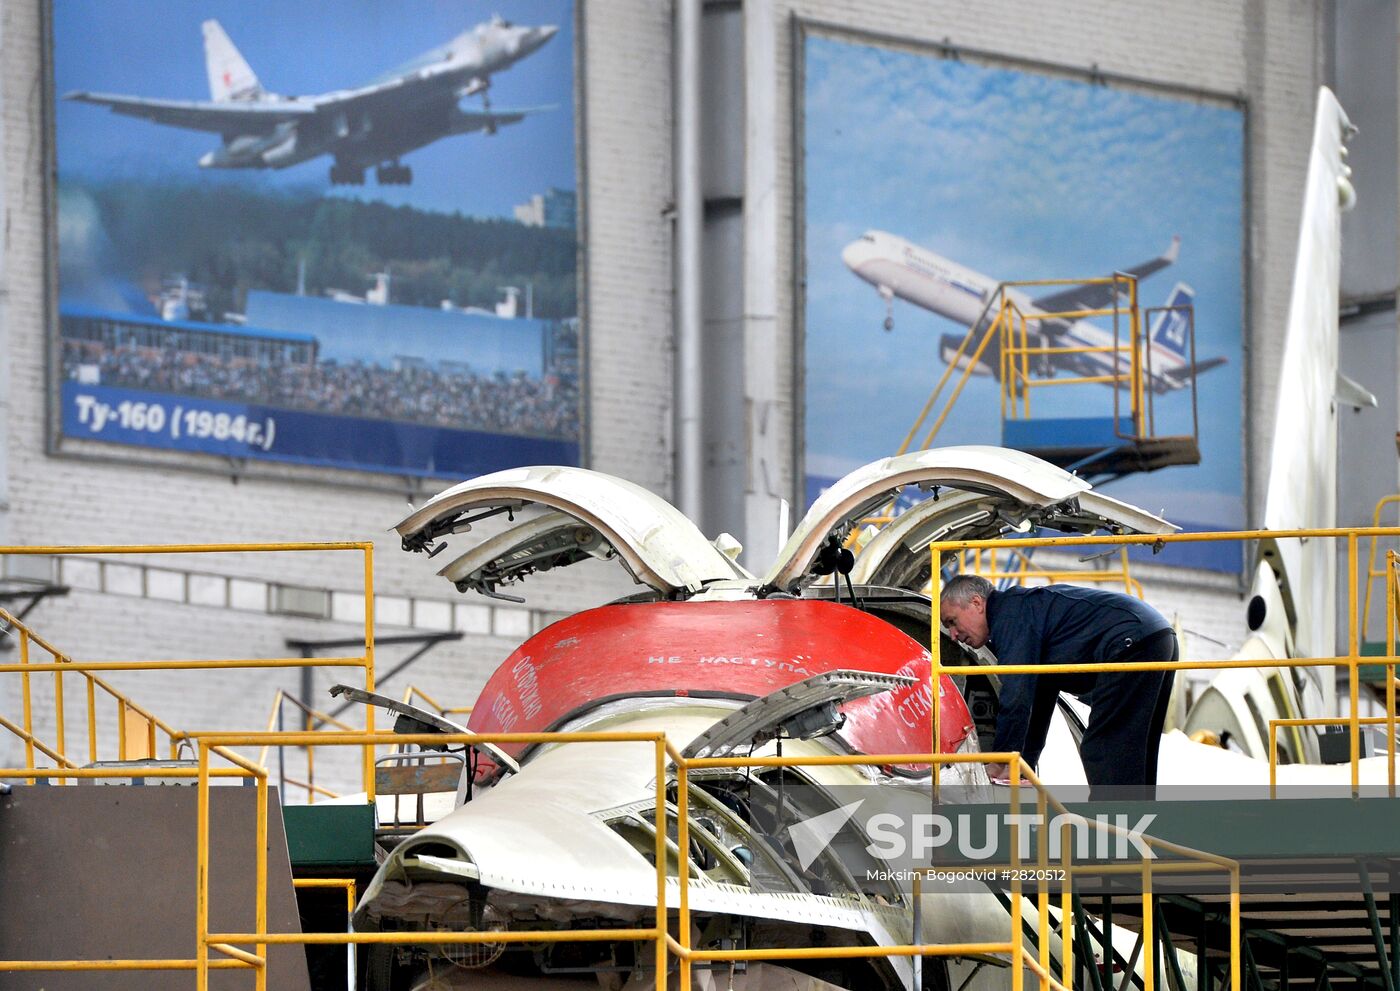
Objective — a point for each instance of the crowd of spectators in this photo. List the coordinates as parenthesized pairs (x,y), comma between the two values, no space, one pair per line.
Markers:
(444,396)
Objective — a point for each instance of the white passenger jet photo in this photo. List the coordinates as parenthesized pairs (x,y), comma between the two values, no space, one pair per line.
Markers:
(369,126)
(898,268)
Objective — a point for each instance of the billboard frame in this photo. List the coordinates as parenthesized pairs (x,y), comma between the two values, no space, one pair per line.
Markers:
(801,28)
(413,487)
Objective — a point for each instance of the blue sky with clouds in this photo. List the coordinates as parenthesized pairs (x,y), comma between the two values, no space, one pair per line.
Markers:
(1017,175)
(155,48)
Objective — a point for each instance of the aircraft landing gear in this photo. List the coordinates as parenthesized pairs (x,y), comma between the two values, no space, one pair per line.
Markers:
(393,174)
(347,175)
(889,323)
(887,294)
(486,107)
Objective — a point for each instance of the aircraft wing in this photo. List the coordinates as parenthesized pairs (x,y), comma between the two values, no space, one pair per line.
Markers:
(1099,296)
(1182,374)
(477,120)
(248,117)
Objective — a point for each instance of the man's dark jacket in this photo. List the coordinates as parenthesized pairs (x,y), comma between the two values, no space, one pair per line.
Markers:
(1058,624)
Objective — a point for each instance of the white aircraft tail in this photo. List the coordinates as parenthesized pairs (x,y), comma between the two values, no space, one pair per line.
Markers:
(1302,489)
(1170,325)
(1292,608)
(230,76)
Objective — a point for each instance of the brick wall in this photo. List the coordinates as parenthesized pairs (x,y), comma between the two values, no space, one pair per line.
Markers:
(1267,50)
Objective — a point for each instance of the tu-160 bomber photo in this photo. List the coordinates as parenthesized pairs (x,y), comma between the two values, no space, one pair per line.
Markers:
(370,126)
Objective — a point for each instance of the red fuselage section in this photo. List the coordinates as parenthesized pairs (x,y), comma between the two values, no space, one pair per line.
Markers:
(737,650)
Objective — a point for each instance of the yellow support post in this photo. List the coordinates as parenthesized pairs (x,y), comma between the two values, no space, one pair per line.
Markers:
(1003,354)
(683,866)
(92,720)
(1353,667)
(24,690)
(368,768)
(1390,591)
(936,661)
(121,729)
(1149,963)
(201,897)
(1067,907)
(1042,891)
(1025,370)
(59,728)
(1018,936)
(1235,928)
(1135,326)
(260,880)
(662,958)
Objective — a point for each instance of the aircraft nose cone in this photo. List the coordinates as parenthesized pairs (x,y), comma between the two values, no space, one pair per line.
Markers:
(853,255)
(538,36)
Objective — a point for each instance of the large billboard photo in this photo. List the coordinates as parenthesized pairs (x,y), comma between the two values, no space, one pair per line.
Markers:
(929,178)
(340,236)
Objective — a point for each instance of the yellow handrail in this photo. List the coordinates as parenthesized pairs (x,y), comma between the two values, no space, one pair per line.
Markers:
(226,945)
(1352,661)
(129,714)
(972,563)
(1016,378)
(312,715)
(1371,573)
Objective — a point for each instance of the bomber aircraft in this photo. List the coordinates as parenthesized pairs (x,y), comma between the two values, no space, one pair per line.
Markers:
(370,126)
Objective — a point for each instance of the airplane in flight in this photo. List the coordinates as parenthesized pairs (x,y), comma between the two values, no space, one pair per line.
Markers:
(370,126)
(899,268)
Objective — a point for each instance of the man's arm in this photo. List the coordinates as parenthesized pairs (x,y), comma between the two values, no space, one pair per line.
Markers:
(1014,643)
(1014,707)
(1038,725)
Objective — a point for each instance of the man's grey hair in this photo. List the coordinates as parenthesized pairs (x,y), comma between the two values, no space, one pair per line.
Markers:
(962,589)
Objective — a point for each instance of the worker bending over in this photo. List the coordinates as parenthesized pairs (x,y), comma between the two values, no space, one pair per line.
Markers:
(1067,624)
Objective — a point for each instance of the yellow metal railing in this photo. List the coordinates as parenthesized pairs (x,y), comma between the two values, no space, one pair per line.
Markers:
(1351,661)
(313,720)
(136,728)
(1392,611)
(1006,321)
(1016,366)
(221,950)
(1374,574)
(413,691)
(984,562)
(260,938)
(1194,861)
(134,723)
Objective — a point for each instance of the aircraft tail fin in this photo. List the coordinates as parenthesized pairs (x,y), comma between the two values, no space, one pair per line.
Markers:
(230,77)
(1170,326)
(1303,474)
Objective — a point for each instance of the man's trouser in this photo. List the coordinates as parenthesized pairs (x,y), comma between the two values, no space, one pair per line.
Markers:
(1126,712)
